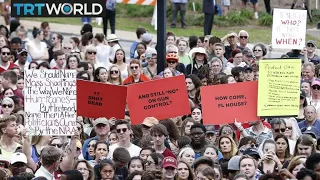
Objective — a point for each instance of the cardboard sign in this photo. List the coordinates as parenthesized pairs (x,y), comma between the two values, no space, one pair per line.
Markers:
(164,98)
(289,28)
(101,100)
(50,102)
(221,104)
(279,87)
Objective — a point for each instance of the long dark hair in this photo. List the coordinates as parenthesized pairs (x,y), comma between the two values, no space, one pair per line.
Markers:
(96,74)
(287,151)
(115,56)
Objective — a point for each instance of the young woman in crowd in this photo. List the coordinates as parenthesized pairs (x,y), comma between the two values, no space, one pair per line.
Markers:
(187,155)
(114,76)
(101,151)
(91,70)
(196,114)
(136,164)
(192,83)
(184,171)
(186,125)
(120,61)
(282,148)
(228,147)
(101,75)
(305,146)
(72,62)
(85,168)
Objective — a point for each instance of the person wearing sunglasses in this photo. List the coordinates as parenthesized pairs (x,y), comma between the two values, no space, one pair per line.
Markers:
(21,62)
(315,94)
(243,39)
(123,129)
(5,62)
(114,76)
(91,56)
(136,73)
(7,106)
(259,51)
(310,55)
(57,44)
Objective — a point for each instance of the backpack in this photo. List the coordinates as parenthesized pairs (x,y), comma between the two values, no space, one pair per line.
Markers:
(111,5)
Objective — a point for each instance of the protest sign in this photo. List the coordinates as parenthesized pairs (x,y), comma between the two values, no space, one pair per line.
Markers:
(101,100)
(50,102)
(279,87)
(289,28)
(164,98)
(221,104)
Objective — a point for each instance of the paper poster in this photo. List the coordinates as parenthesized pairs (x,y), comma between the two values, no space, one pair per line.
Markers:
(221,104)
(164,98)
(279,87)
(101,100)
(50,102)
(289,28)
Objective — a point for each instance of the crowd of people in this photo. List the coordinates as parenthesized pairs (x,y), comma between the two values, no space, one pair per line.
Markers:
(181,148)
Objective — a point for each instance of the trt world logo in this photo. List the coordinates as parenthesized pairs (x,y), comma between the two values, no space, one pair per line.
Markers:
(57,8)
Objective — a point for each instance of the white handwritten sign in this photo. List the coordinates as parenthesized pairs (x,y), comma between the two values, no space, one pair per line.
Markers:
(50,102)
(289,28)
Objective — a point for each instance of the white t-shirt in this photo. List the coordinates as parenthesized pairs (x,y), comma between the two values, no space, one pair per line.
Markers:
(133,150)
(103,52)
(113,51)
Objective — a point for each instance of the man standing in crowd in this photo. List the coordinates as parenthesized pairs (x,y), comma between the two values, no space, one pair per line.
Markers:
(22,63)
(248,73)
(237,73)
(208,8)
(248,166)
(123,129)
(8,131)
(136,73)
(310,54)
(308,72)
(159,133)
(60,59)
(198,138)
(18,163)
(169,168)
(50,162)
(101,128)
(310,115)
(5,63)
(179,5)
(9,80)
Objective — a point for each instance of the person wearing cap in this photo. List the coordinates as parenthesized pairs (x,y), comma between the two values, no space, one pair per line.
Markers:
(113,41)
(150,70)
(310,55)
(233,166)
(21,61)
(310,115)
(136,73)
(199,62)
(232,38)
(147,123)
(248,73)
(18,163)
(101,128)
(123,129)
(211,133)
(312,131)
(147,40)
(169,168)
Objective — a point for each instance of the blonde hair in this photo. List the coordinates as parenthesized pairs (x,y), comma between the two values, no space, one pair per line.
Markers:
(234,148)
(88,48)
(109,73)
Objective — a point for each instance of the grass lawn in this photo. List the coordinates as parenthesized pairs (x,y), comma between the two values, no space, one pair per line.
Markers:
(257,33)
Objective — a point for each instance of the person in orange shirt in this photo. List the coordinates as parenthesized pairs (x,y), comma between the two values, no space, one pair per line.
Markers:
(136,73)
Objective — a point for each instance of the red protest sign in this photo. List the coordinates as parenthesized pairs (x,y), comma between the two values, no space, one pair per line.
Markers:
(164,98)
(100,100)
(221,104)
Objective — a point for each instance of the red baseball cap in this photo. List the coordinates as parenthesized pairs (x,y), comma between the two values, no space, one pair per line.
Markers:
(169,162)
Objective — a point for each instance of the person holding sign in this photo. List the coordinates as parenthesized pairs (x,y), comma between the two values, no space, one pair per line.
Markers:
(136,74)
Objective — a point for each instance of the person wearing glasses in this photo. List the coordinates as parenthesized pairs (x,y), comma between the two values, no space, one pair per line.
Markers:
(310,54)
(114,76)
(136,73)
(91,56)
(5,63)
(243,39)
(259,51)
(123,129)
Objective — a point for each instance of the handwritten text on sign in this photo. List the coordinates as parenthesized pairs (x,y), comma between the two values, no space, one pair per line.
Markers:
(50,102)
(279,87)
(289,28)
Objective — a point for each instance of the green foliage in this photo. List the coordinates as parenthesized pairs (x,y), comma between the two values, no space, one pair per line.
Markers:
(198,6)
(265,20)
(236,19)
(221,21)
(246,13)
(133,10)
